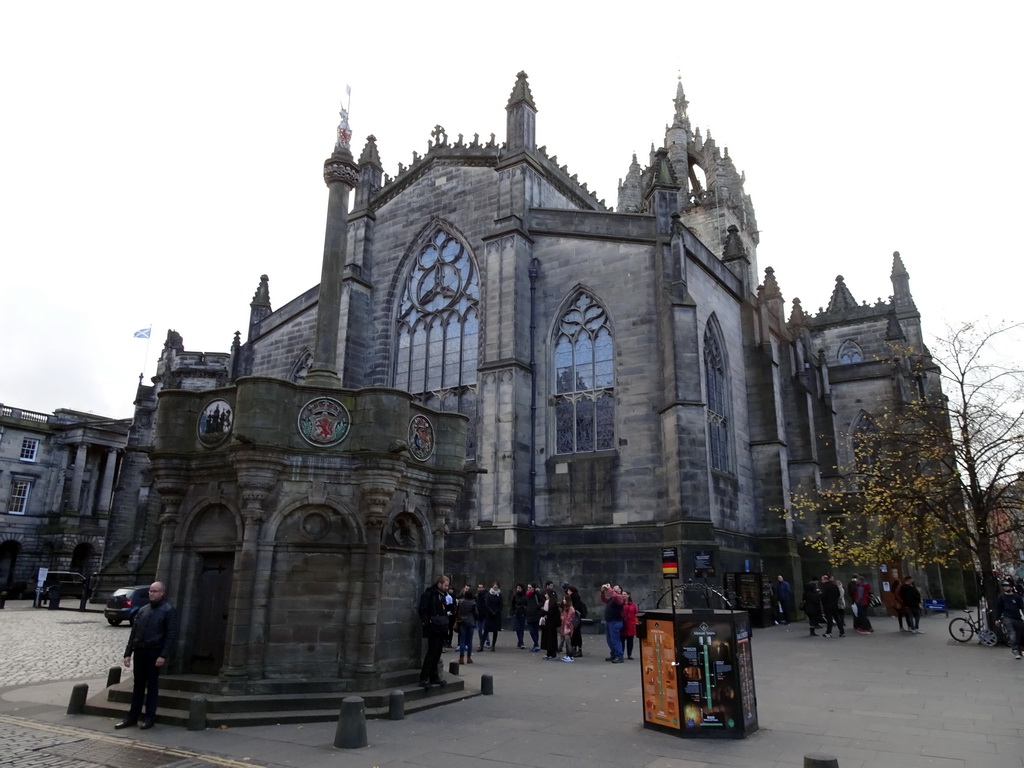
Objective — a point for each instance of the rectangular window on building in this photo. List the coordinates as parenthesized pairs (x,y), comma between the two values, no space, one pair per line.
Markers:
(29,449)
(19,496)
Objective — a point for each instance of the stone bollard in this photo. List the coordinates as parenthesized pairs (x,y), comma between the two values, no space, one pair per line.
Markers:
(487,685)
(113,676)
(197,713)
(820,760)
(453,667)
(396,704)
(351,731)
(78,696)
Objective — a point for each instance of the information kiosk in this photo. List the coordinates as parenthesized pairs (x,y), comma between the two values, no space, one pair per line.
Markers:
(698,673)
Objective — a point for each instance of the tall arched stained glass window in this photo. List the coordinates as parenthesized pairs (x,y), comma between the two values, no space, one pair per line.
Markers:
(438,326)
(716,383)
(584,382)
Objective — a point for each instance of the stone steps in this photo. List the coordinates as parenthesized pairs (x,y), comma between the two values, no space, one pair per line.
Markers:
(306,705)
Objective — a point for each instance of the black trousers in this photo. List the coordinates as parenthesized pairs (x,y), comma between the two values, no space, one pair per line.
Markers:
(147,683)
(435,645)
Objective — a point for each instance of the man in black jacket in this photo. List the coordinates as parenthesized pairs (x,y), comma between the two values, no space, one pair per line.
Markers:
(154,633)
(830,606)
(1009,613)
(433,611)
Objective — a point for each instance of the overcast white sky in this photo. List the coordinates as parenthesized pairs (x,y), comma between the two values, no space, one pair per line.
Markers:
(156,159)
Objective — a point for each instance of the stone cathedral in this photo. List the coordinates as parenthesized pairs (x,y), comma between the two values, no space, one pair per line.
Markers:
(498,377)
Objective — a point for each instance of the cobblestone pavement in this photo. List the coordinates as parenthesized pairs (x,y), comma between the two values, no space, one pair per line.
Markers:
(28,744)
(40,645)
(887,699)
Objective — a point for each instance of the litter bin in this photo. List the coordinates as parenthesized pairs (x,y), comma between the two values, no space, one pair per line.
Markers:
(54,597)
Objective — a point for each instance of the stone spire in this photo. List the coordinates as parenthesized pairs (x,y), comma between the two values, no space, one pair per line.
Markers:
(901,297)
(629,189)
(773,295)
(798,318)
(260,307)
(677,142)
(370,172)
(893,329)
(841,299)
(521,121)
(681,119)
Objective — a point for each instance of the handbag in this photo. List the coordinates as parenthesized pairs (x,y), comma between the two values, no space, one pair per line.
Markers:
(439,622)
(874,600)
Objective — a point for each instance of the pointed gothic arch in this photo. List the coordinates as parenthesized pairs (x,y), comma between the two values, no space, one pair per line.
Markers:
(718,405)
(584,378)
(850,352)
(863,445)
(437,323)
(300,367)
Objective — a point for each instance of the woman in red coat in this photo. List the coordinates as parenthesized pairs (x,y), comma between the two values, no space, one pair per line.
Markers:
(628,625)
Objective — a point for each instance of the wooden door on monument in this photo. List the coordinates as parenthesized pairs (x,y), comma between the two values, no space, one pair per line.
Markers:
(213,595)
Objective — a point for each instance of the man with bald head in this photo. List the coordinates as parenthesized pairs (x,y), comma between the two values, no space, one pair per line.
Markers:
(151,643)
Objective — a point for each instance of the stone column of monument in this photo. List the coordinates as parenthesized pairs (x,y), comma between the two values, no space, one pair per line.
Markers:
(340,175)
(376,489)
(444,506)
(107,484)
(257,476)
(171,481)
(77,477)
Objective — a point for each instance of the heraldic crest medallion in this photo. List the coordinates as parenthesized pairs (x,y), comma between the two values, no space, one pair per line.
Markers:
(324,422)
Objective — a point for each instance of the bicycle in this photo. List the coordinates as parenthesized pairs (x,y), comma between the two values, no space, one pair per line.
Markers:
(963,629)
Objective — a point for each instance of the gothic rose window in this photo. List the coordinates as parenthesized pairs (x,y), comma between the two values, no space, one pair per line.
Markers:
(584,396)
(438,327)
(715,381)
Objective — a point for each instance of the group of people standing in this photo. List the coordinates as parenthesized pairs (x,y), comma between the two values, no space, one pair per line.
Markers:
(553,621)
(824,600)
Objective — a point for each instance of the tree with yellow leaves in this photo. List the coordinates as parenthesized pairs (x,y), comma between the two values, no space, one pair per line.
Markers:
(938,473)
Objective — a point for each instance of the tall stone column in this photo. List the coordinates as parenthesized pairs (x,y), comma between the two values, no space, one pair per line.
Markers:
(341,175)
(444,505)
(107,484)
(76,479)
(170,476)
(257,477)
(376,489)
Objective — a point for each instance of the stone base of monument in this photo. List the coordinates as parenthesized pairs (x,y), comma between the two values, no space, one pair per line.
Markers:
(277,701)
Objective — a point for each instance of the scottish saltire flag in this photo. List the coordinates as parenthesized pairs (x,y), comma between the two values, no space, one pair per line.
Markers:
(143,333)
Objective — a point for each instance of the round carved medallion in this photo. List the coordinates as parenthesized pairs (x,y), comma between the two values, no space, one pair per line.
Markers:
(421,438)
(324,422)
(215,422)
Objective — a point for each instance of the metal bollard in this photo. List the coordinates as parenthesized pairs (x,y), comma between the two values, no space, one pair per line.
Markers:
(351,731)
(78,696)
(453,667)
(113,676)
(396,704)
(487,685)
(197,713)
(820,760)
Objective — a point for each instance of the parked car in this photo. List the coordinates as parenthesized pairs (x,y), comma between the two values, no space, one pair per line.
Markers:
(125,603)
(16,590)
(72,585)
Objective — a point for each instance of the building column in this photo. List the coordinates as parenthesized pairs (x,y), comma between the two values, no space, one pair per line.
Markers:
(77,477)
(376,489)
(107,484)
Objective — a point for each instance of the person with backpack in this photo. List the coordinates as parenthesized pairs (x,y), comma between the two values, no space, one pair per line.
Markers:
(861,599)
(576,641)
